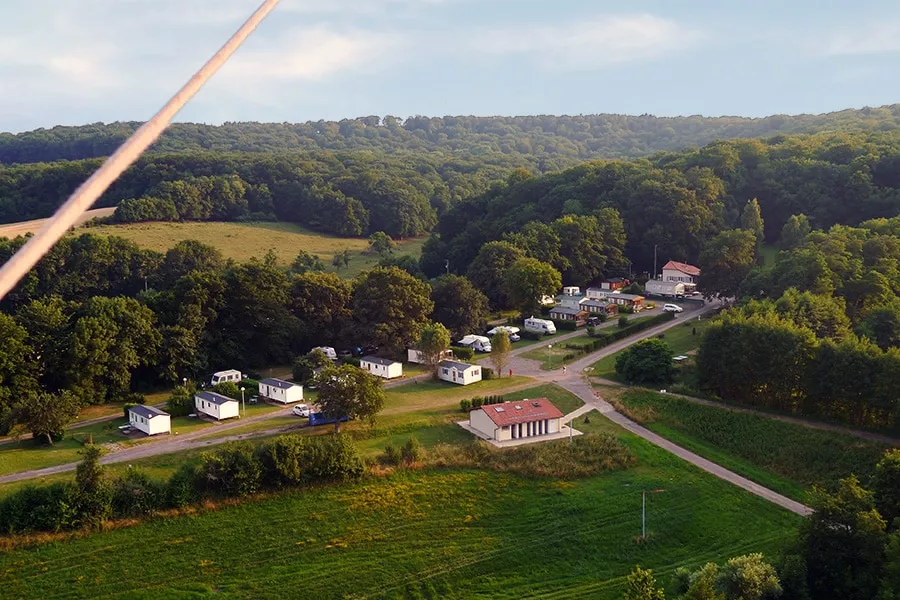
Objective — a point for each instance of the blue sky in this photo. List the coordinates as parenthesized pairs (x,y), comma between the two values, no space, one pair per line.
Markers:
(81,61)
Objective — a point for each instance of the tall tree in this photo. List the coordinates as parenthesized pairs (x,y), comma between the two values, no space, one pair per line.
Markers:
(348,391)
(527,280)
(390,307)
(641,585)
(16,375)
(306,262)
(826,316)
(539,240)
(751,220)
(459,305)
(487,270)
(886,487)
(725,262)
(187,256)
(46,415)
(794,232)
(589,245)
(381,243)
(321,303)
(648,361)
(433,342)
(500,348)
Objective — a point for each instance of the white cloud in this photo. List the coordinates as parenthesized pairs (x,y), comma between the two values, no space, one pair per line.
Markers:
(881,37)
(590,43)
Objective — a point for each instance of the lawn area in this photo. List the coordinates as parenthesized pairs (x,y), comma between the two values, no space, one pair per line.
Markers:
(242,241)
(428,395)
(767,254)
(681,340)
(27,454)
(422,534)
(785,457)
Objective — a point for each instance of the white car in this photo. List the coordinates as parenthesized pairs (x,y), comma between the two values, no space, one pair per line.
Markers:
(673,308)
(301,410)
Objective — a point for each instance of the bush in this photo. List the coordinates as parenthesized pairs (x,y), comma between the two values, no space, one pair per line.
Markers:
(136,494)
(332,458)
(591,330)
(351,360)
(411,451)
(531,335)
(487,373)
(282,460)
(181,402)
(623,322)
(476,402)
(47,508)
(183,487)
(125,408)
(465,405)
(232,470)
(228,388)
(562,325)
(626,310)
(391,455)
(648,361)
(462,353)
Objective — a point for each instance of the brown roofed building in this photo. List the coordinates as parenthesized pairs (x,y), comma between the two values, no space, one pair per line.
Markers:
(516,420)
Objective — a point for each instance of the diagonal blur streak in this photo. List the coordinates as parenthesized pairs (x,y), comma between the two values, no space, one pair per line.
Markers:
(88,192)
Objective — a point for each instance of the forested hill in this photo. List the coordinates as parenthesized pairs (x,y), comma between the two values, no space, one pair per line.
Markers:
(552,142)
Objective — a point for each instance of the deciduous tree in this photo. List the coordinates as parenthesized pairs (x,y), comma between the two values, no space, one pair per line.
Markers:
(794,231)
(500,347)
(751,220)
(458,305)
(725,262)
(487,270)
(641,585)
(46,415)
(647,361)
(433,342)
(527,280)
(348,391)
(390,307)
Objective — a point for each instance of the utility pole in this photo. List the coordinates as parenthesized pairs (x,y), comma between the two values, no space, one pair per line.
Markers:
(644,515)
(655,246)
(550,356)
(447,266)
(570,430)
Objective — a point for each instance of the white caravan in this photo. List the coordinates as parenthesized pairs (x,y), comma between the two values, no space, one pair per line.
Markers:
(540,326)
(479,343)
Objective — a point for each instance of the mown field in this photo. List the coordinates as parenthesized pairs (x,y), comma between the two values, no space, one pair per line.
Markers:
(422,534)
(242,241)
(785,457)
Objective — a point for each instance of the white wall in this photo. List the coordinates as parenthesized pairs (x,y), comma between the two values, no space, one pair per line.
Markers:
(154,426)
(227,410)
(285,396)
(385,371)
(479,421)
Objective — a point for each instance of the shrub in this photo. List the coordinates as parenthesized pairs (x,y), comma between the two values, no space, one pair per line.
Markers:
(183,487)
(136,494)
(648,361)
(476,402)
(228,388)
(463,353)
(465,405)
(487,373)
(282,460)
(562,325)
(351,360)
(232,470)
(332,458)
(125,408)
(626,310)
(391,455)
(411,451)
(47,508)
(181,402)
(531,335)
(623,322)
(591,330)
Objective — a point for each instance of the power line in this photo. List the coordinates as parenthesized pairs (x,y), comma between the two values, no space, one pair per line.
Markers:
(88,192)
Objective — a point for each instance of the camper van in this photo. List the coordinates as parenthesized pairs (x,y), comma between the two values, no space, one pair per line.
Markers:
(540,326)
(223,376)
(478,343)
(328,350)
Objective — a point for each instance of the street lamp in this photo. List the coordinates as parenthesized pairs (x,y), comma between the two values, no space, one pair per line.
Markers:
(184,381)
(243,406)
(550,355)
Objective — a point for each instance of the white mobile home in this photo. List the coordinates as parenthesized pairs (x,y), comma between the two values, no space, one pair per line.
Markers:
(223,376)
(415,355)
(215,405)
(515,420)
(279,390)
(459,372)
(540,326)
(670,289)
(150,420)
(381,367)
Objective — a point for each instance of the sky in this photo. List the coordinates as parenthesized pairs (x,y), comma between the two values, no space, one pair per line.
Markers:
(71,62)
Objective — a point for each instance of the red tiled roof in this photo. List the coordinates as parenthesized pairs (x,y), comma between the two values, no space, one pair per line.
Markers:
(683,267)
(521,411)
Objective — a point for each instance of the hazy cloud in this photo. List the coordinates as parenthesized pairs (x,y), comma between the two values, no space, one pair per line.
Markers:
(882,37)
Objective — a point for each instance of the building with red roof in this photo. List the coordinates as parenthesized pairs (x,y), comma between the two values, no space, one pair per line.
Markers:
(681,272)
(516,420)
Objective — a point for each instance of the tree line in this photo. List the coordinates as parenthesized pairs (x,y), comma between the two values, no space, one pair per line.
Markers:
(677,202)
(99,318)
(555,140)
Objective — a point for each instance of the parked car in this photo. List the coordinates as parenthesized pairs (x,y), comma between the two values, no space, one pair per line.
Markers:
(345,354)
(301,410)
(672,308)
(594,321)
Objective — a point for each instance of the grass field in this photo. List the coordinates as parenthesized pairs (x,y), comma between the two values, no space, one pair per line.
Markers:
(785,457)
(680,339)
(242,241)
(422,534)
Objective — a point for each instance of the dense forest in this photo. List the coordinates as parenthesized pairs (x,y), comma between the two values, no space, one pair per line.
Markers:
(550,142)
(678,201)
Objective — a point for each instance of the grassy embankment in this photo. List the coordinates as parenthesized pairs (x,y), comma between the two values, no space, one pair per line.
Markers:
(785,457)
(423,534)
(242,241)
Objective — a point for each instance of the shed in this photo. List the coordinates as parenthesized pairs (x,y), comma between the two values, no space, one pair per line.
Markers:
(459,372)
(149,419)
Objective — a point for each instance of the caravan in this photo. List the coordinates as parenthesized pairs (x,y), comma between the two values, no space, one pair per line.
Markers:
(544,326)
(479,343)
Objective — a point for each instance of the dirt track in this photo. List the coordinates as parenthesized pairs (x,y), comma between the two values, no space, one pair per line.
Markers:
(12,230)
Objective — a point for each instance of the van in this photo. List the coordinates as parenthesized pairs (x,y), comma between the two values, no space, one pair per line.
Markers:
(479,343)
(540,326)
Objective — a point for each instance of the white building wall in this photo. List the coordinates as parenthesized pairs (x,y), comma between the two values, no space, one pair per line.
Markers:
(217,411)
(395,370)
(553,425)
(479,421)
(229,410)
(138,422)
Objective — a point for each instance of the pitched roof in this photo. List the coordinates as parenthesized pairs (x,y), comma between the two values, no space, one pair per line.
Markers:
(455,364)
(521,411)
(562,310)
(598,303)
(377,360)
(626,296)
(683,267)
(148,412)
(214,397)
(614,280)
(279,383)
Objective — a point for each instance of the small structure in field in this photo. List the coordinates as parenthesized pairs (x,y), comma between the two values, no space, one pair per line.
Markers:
(516,420)
(381,367)
(279,390)
(458,372)
(149,420)
(215,405)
